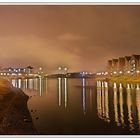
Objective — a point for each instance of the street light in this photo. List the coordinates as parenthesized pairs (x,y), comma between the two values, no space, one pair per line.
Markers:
(59,68)
(65,69)
(138,71)
(115,72)
(128,71)
(120,72)
(40,68)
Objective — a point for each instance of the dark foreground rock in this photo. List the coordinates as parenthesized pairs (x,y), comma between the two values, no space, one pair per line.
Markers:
(15,118)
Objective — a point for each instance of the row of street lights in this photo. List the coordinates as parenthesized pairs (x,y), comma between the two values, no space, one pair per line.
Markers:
(63,70)
(115,73)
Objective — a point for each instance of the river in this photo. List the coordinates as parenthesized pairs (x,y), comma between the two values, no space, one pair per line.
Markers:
(82,106)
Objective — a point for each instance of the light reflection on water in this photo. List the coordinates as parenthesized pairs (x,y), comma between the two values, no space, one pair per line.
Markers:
(126,104)
(114,103)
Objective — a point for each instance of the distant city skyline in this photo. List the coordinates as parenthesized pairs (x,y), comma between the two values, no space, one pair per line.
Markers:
(77,37)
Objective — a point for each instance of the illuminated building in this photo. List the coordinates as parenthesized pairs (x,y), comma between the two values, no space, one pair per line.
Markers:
(123,65)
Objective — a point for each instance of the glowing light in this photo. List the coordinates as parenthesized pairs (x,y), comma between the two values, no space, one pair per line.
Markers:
(84,95)
(120,85)
(106,73)
(86,72)
(65,87)
(59,68)
(65,69)
(137,87)
(115,72)
(114,85)
(138,71)
(59,91)
(128,71)
(106,84)
(120,72)
(40,68)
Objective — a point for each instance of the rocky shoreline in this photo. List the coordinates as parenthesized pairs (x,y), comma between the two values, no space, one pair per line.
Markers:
(15,118)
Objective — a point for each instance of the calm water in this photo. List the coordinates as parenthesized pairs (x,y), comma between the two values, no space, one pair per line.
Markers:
(82,106)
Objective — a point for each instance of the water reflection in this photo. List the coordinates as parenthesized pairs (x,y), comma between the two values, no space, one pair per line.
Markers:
(84,95)
(62,84)
(106,102)
(126,104)
(129,106)
(59,91)
(66,91)
(138,103)
(102,101)
(116,103)
(37,84)
(121,102)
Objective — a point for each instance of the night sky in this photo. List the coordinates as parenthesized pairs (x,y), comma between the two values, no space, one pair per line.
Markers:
(79,37)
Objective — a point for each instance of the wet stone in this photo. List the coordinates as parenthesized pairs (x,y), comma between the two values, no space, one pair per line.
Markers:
(26,120)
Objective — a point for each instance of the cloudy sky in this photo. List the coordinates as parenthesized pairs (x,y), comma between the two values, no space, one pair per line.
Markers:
(79,37)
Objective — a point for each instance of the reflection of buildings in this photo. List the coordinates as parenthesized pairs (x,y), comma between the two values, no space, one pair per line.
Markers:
(41,86)
(115,102)
(37,84)
(129,106)
(126,106)
(121,104)
(102,100)
(138,102)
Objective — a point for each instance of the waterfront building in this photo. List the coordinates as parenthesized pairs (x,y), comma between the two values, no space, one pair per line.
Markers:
(16,71)
(127,65)
(127,68)
(115,66)
(135,63)
(109,66)
(121,65)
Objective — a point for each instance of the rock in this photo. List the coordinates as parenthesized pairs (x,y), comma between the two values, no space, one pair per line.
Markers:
(1,97)
(14,112)
(26,120)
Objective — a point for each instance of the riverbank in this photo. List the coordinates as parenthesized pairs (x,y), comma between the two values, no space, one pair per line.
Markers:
(121,79)
(15,118)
